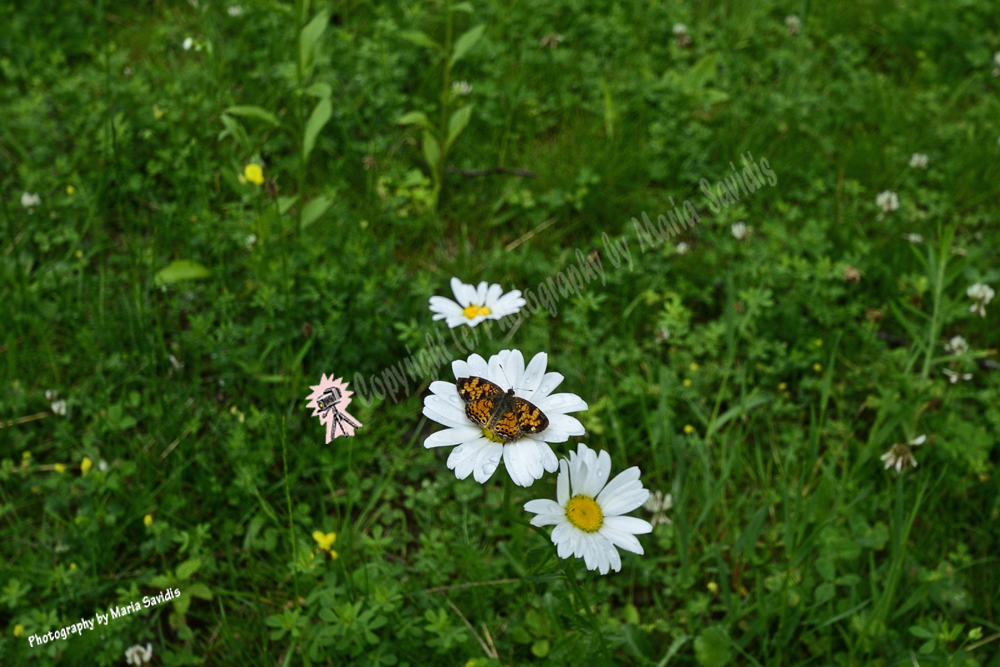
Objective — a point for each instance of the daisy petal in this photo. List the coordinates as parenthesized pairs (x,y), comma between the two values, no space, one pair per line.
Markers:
(487,461)
(561,404)
(453,436)
(532,377)
(548,384)
(458,288)
(570,425)
(621,538)
(543,506)
(629,524)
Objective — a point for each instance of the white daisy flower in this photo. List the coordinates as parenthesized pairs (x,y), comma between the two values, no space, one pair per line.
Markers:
(137,655)
(982,294)
(475,304)
(918,161)
(680,29)
(479,450)
(587,512)
(794,23)
(187,44)
(682,248)
(658,504)
(30,200)
(59,408)
(899,456)
(887,201)
(234,10)
(957,345)
(741,232)
(953,376)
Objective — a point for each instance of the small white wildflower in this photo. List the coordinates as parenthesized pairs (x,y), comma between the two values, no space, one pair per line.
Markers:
(914,238)
(59,407)
(982,294)
(250,241)
(102,465)
(682,248)
(957,345)
(996,58)
(899,456)
(175,363)
(794,23)
(127,71)
(680,29)
(741,232)
(918,161)
(662,334)
(887,201)
(30,200)
(51,394)
(187,43)
(234,10)
(551,40)
(137,655)
(657,505)
(461,87)
(953,376)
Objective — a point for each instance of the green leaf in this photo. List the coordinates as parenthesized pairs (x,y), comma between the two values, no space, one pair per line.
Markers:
(420,39)
(188,567)
(234,130)
(285,203)
(927,647)
(923,633)
(251,111)
(310,38)
(161,581)
(312,211)
(457,123)
(415,118)
(181,269)
(200,590)
(462,7)
(319,117)
(701,73)
(432,150)
(464,43)
(825,593)
(540,648)
(182,604)
(321,90)
(711,648)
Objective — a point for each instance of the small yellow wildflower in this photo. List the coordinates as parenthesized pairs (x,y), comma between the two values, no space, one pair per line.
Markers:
(70,189)
(689,429)
(59,468)
(694,367)
(158,112)
(26,455)
(148,520)
(687,382)
(79,254)
(86,464)
(782,386)
(818,342)
(325,541)
(18,630)
(72,566)
(78,520)
(713,587)
(254,173)
(817,367)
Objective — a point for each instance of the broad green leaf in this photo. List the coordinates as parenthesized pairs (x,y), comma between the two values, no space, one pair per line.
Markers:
(462,7)
(923,633)
(711,648)
(285,203)
(321,90)
(161,581)
(432,150)
(540,648)
(200,590)
(415,118)
(320,115)
(188,567)
(701,73)
(312,211)
(457,123)
(464,43)
(181,269)
(182,604)
(420,39)
(310,38)
(251,111)
(235,130)
(824,593)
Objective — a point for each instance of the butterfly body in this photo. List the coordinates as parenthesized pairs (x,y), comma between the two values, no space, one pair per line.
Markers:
(504,415)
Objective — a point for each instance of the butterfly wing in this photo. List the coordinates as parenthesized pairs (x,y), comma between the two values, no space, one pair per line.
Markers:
(472,389)
(505,424)
(529,417)
(481,411)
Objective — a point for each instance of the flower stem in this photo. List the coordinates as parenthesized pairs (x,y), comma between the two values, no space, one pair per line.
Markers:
(578,591)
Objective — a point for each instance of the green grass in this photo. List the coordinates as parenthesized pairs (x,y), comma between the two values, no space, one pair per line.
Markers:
(790,545)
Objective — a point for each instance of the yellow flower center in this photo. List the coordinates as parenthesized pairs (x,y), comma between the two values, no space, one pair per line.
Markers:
(493,437)
(473,311)
(584,513)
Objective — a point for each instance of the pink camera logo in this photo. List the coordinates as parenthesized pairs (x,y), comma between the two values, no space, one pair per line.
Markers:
(329,400)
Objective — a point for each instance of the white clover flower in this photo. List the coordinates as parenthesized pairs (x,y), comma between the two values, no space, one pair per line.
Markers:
(887,201)
(982,294)
(30,200)
(662,334)
(657,505)
(51,395)
(59,407)
(480,448)
(953,376)
(918,161)
(588,510)
(957,345)
(914,238)
(901,455)
(187,43)
(741,232)
(475,304)
(680,29)
(462,87)
(137,655)
(250,241)
(682,248)
(234,10)
(102,465)
(794,23)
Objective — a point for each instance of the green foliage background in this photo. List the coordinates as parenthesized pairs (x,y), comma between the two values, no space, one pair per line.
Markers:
(790,545)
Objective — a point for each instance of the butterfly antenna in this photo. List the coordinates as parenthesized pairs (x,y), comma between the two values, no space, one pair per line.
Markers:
(507,378)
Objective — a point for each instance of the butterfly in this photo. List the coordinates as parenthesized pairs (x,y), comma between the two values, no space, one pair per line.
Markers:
(501,413)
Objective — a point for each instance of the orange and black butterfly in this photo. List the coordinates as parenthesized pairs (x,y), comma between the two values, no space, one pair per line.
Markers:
(501,413)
